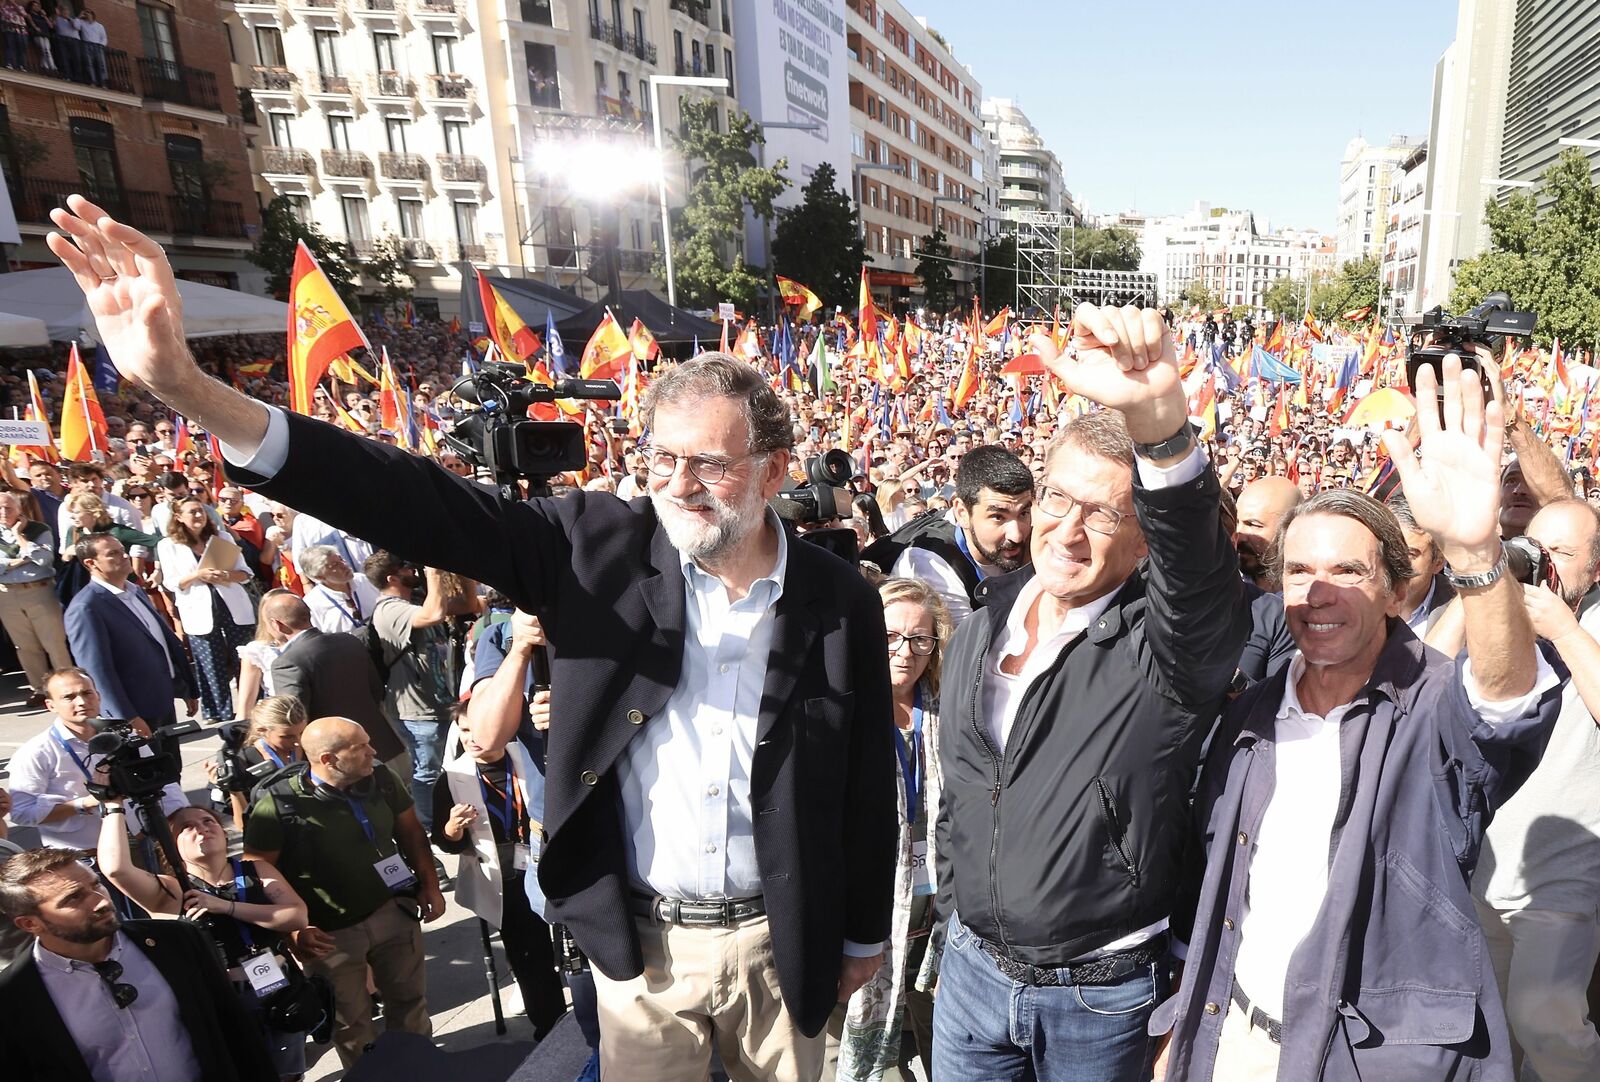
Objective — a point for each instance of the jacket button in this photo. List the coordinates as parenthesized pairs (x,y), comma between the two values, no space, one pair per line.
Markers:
(1243,838)
(635,717)
(589,777)
(1228,923)
(1212,1008)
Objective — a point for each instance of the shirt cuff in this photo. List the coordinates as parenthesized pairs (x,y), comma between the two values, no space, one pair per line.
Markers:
(852,949)
(1180,949)
(1501,711)
(1192,466)
(266,458)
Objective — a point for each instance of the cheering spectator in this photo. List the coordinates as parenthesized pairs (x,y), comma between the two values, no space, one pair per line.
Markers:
(92,33)
(39,29)
(29,609)
(100,999)
(216,612)
(340,600)
(348,841)
(90,477)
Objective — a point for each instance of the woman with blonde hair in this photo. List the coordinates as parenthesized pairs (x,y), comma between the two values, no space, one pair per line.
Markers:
(276,723)
(867,1031)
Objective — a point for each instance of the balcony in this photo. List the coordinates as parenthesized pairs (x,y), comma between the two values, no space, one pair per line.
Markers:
(436,10)
(452,90)
(472,253)
(119,74)
(330,84)
(273,80)
(346,163)
(167,81)
(462,169)
(617,107)
(35,197)
(320,12)
(390,86)
(288,161)
(698,10)
(402,166)
(377,11)
(418,251)
(206,217)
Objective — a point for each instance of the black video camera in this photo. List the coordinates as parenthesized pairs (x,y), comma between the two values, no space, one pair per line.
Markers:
(234,775)
(1529,562)
(822,497)
(129,774)
(1438,334)
(498,438)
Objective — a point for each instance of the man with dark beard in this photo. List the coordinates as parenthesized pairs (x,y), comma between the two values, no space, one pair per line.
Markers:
(99,999)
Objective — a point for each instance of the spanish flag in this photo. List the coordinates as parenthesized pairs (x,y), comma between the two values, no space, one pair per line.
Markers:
(867,315)
(35,411)
(345,370)
(507,330)
(320,329)
(798,295)
(83,425)
(997,325)
(608,348)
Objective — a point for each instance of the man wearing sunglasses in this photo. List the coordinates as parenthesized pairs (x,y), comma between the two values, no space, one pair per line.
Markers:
(112,1002)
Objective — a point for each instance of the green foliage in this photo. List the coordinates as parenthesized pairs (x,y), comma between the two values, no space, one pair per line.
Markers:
(274,252)
(1196,295)
(1549,260)
(388,269)
(1113,249)
(818,243)
(999,274)
(933,267)
(1286,298)
(706,236)
(1355,286)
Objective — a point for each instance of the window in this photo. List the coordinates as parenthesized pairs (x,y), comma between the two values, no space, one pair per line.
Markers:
(410,218)
(638,25)
(444,54)
(694,55)
(711,60)
(560,238)
(269,46)
(537,11)
(623,90)
(300,207)
(616,15)
(278,129)
(94,147)
(327,52)
(396,129)
(356,229)
(677,47)
(455,136)
(727,65)
(543,86)
(157,36)
(339,132)
(467,223)
(184,155)
(383,51)
(599,77)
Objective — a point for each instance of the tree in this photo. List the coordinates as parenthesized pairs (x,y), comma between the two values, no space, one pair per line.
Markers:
(1548,260)
(818,243)
(1196,295)
(281,232)
(388,269)
(933,267)
(998,276)
(1112,249)
(1286,298)
(706,236)
(1355,286)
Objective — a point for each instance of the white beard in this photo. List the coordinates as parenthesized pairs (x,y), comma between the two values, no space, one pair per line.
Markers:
(731,523)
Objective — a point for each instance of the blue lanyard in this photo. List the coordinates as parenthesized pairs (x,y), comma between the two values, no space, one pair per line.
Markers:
(355,807)
(266,749)
(54,732)
(353,616)
(511,820)
(911,766)
(239,889)
(961,543)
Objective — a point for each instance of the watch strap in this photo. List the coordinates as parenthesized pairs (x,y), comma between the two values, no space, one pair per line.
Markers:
(1179,442)
(1478,581)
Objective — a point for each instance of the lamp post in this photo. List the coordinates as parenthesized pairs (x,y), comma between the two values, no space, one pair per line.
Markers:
(766,221)
(656,83)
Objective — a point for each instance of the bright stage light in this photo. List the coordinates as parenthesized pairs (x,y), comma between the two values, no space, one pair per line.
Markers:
(599,170)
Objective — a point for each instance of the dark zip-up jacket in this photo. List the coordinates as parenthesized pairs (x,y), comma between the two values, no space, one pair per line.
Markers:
(1075,836)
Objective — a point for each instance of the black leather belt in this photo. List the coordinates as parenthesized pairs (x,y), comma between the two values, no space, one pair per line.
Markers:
(685,912)
(1258,1017)
(1106,970)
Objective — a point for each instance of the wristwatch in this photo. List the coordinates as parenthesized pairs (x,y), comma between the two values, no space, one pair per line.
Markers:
(1478,581)
(1170,447)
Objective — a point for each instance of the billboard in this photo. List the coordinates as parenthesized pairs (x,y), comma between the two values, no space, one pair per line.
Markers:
(791,68)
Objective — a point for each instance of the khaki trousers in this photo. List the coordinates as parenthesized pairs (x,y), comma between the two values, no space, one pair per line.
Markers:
(1244,1053)
(702,986)
(1543,961)
(31,615)
(391,944)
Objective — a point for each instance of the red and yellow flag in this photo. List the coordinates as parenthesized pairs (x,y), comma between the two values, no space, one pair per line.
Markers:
(516,342)
(643,342)
(608,347)
(997,326)
(867,313)
(320,329)
(83,425)
(35,411)
(793,293)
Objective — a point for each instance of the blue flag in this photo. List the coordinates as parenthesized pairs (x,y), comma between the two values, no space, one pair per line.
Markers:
(1264,365)
(105,373)
(553,347)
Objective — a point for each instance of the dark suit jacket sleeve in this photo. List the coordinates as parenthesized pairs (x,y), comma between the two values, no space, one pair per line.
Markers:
(1196,620)
(237,1037)
(357,484)
(182,687)
(872,823)
(289,677)
(93,649)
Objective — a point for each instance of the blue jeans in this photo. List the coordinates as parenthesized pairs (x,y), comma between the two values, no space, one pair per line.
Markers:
(987,1026)
(425,741)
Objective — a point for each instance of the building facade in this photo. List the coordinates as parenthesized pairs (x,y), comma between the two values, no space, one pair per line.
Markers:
(1232,254)
(1402,242)
(1366,180)
(1552,92)
(1030,173)
(917,145)
(152,133)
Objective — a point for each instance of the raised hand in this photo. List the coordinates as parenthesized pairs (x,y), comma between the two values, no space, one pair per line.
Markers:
(130,289)
(1453,482)
(1122,358)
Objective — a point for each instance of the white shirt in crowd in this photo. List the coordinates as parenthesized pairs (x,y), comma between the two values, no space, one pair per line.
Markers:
(44,775)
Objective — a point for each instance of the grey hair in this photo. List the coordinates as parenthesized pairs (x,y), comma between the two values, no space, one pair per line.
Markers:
(722,375)
(1101,433)
(1395,556)
(313,562)
(1401,508)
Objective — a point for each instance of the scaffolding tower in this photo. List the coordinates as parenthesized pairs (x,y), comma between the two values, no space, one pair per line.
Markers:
(1040,284)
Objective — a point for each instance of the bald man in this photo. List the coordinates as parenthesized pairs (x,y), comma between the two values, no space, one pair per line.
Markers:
(1262,505)
(343,831)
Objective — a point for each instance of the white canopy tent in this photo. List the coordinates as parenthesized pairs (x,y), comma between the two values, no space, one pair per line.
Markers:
(52,295)
(19,331)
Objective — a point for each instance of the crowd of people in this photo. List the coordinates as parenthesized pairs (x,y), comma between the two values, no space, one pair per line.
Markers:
(71,45)
(1156,728)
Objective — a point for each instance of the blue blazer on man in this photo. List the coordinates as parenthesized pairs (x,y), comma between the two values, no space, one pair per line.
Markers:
(135,675)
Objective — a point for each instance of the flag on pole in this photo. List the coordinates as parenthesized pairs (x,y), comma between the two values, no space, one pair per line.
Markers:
(320,329)
(608,347)
(83,424)
(553,347)
(643,342)
(998,324)
(793,293)
(182,442)
(346,369)
(514,338)
(867,312)
(821,377)
(35,411)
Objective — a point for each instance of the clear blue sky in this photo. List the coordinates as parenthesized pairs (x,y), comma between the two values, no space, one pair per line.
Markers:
(1247,104)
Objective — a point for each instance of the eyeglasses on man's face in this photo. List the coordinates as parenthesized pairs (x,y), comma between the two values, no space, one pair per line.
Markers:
(707,469)
(1096,516)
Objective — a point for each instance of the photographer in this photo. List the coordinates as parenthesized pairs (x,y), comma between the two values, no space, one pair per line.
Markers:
(270,743)
(245,905)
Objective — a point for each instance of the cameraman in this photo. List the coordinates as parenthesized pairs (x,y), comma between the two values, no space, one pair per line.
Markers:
(49,772)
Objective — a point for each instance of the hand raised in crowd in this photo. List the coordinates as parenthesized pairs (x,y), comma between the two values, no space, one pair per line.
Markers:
(461,817)
(1122,358)
(1453,482)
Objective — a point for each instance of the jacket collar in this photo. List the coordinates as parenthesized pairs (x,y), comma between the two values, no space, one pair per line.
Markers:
(999,596)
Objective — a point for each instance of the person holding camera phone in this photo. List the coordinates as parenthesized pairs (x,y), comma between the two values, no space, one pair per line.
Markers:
(245,906)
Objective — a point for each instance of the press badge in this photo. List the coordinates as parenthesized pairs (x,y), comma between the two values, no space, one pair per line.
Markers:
(394,873)
(264,974)
(921,872)
(520,857)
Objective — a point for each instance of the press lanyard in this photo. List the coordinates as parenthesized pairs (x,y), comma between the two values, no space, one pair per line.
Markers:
(239,889)
(961,543)
(912,769)
(266,749)
(355,808)
(66,747)
(353,616)
(513,821)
